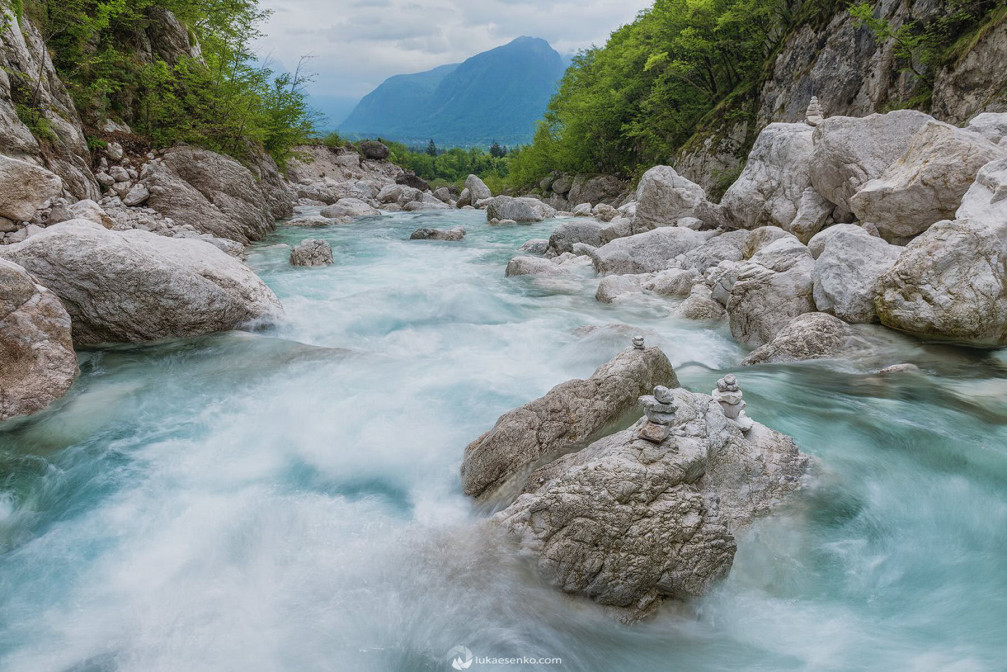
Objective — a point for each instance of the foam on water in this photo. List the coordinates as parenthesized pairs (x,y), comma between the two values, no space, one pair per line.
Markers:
(289,500)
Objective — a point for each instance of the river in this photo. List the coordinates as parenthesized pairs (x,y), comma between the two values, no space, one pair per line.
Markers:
(289,500)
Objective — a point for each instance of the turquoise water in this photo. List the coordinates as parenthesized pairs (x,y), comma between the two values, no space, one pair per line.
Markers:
(289,500)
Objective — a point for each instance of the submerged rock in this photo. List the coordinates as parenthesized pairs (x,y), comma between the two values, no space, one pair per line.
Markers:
(567,417)
(37,361)
(135,286)
(311,252)
(454,234)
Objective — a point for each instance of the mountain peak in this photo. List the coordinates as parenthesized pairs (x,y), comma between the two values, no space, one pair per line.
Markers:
(497,94)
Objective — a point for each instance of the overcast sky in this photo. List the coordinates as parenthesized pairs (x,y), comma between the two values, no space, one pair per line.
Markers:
(356,44)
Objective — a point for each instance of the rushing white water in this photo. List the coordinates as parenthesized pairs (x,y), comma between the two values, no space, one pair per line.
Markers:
(290,500)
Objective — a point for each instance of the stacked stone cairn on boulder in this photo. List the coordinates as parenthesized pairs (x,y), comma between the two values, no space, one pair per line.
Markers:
(729,395)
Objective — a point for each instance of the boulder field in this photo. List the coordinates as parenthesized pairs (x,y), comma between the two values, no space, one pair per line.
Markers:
(896,218)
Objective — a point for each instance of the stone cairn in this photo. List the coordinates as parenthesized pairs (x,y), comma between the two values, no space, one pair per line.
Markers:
(814,115)
(729,396)
(639,343)
(660,410)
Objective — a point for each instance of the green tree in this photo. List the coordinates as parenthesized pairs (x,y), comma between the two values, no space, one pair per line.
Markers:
(432,148)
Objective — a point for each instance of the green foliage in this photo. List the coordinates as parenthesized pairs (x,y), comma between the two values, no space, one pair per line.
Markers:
(36,121)
(218,98)
(451,166)
(334,140)
(922,47)
(637,100)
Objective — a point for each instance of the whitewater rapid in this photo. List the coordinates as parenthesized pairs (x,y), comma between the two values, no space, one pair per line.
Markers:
(289,500)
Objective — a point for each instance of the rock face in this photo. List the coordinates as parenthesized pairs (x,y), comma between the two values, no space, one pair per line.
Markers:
(567,234)
(848,270)
(135,286)
(411,180)
(629,522)
(37,361)
(518,209)
(772,288)
(808,336)
(477,189)
(663,197)
(25,66)
(770,189)
(24,188)
(647,252)
(926,184)
(457,233)
(950,284)
(567,417)
(311,252)
(850,152)
(212,193)
(974,83)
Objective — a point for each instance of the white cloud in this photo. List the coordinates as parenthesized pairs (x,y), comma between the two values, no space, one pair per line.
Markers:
(357,44)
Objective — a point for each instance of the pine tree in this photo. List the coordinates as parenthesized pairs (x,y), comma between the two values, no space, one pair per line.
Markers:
(432,148)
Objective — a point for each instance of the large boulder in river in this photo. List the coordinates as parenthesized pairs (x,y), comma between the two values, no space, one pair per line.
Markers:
(311,252)
(567,417)
(808,336)
(37,361)
(134,286)
(212,193)
(348,208)
(477,189)
(773,287)
(454,234)
(771,188)
(524,209)
(629,523)
(24,188)
(567,234)
(663,197)
(950,283)
(926,184)
(852,151)
(848,270)
(647,252)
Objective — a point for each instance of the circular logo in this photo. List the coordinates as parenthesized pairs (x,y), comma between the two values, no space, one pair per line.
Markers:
(460,657)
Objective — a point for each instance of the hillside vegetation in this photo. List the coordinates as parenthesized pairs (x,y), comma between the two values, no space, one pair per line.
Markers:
(124,60)
(636,101)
